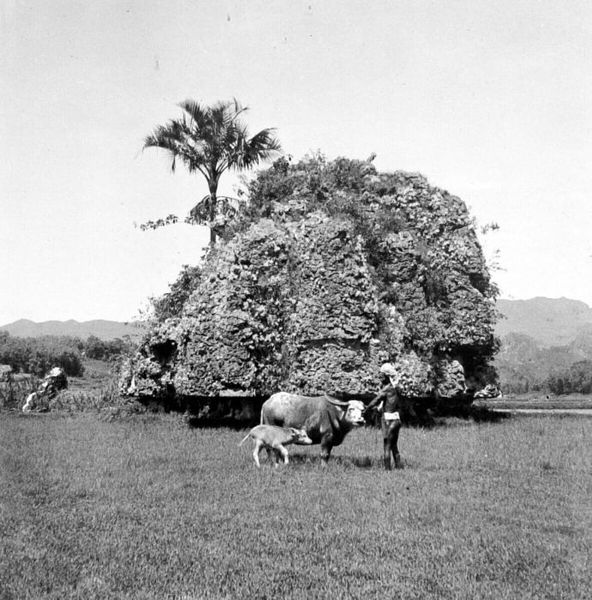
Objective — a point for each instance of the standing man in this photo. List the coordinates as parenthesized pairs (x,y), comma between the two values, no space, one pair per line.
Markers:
(389,403)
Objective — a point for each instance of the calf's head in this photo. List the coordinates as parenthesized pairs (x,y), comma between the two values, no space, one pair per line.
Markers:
(299,436)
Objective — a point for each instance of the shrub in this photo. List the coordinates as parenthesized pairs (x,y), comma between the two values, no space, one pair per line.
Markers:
(39,355)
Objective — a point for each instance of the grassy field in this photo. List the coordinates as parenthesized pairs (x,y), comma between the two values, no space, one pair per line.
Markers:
(146,508)
(97,375)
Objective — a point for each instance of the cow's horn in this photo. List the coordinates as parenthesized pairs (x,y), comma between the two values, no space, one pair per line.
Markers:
(335,401)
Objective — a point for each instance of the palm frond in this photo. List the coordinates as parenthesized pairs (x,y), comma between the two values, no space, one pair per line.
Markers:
(212,139)
(262,146)
(238,108)
(168,137)
(196,112)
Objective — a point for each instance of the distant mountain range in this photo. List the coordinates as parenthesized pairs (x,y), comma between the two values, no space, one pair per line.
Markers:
(541,337)
(104,330)
(549,321)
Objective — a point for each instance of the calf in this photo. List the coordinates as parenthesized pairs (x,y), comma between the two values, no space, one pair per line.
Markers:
(273,439)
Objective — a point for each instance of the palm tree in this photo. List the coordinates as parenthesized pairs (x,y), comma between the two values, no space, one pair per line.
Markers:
(211,140)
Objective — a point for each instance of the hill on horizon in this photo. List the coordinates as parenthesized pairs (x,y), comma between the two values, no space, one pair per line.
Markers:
(101,328)
(549,321)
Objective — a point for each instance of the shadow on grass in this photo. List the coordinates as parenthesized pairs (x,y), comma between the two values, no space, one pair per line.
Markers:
(445,416)
(479,414)
(226,422)
(482,414)
(358,462)
(419,417)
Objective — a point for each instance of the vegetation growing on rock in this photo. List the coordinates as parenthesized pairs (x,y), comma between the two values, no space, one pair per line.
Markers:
(332,269)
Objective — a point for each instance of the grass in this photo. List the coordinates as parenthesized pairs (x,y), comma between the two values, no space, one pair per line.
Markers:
(145,508)
(97,375)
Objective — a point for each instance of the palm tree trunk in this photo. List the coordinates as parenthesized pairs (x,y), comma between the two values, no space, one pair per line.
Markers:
(213,202)
(213,237)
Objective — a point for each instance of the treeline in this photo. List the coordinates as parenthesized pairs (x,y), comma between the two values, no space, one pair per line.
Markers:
(523,365)
(576,379)
(37,355)
(98,349)
(573,379)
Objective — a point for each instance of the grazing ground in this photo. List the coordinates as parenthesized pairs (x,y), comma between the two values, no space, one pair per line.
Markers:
(145,508)
(97,374)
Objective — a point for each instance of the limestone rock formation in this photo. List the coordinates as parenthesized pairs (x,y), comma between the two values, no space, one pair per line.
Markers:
(333,270)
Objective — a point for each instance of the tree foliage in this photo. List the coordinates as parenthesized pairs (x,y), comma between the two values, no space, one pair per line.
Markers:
(106,350)
(525,365)
(39,355)
(577,379)
(170,304)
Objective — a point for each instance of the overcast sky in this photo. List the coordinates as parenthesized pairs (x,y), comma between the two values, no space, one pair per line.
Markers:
(490,100)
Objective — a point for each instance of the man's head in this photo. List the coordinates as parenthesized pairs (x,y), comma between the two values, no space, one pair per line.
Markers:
(389,371)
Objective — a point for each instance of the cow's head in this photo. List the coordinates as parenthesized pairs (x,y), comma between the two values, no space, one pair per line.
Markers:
(299,436)
(353,411)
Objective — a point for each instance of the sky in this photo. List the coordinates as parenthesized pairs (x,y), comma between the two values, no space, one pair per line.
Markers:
(491,101)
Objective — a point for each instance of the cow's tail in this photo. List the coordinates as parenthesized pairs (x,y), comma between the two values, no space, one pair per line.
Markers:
(243,440)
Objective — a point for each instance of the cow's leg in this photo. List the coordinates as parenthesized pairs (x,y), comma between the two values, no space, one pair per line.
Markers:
(256,450)
(326,447)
